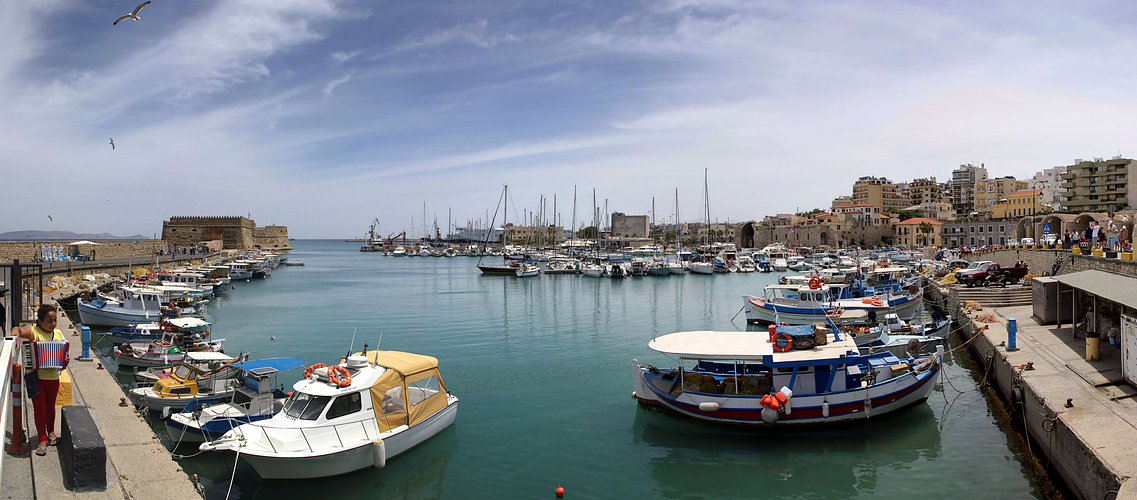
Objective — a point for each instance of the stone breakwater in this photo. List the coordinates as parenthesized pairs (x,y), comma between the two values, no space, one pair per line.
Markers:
(26,251)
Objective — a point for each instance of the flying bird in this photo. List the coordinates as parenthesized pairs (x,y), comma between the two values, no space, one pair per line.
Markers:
(132,15)
(50,219)
(112,143)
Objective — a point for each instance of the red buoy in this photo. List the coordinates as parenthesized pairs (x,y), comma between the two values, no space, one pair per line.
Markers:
(560,492)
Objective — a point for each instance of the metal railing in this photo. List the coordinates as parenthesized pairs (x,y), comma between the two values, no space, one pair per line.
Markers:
(348,426)
(7,357)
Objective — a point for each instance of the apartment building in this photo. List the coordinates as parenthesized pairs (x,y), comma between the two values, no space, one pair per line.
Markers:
(962,185)
(1049,180)
(925,190)
(1018,204)
(878,192)
(1098,184)
(990,191)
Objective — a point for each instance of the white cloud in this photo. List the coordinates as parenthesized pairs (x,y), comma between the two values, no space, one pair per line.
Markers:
(335,83)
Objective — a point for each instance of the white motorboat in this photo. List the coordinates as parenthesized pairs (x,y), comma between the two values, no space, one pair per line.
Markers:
(137,306)
(527,270)
(169,351)
(347,417)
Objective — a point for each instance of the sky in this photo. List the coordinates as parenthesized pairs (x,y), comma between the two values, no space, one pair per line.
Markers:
(324,115)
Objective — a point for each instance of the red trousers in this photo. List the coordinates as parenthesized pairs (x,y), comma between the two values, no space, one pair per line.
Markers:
(44,406)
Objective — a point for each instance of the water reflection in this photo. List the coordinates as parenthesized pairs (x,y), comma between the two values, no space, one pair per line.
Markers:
(703,460)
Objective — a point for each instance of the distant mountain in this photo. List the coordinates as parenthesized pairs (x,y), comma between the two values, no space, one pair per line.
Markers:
(63,235)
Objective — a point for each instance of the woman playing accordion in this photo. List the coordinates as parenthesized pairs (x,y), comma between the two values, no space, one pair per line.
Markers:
(51,361)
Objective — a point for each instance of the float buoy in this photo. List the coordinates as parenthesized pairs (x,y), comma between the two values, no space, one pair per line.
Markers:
(769,416)
(783,343)
(560,491)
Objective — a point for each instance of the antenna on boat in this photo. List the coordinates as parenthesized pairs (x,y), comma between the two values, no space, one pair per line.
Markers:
(377,345)
(352,346)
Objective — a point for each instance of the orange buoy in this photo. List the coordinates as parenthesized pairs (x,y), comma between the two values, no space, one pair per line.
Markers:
(774,405)
(780,397)
(560,491)
(289,394)
(773,332)
(783,343)
(765,401)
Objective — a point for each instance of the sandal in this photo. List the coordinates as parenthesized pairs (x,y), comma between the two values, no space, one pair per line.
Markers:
(41,450)
(52,441)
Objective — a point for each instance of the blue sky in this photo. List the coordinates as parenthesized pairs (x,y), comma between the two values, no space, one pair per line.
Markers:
(322,115)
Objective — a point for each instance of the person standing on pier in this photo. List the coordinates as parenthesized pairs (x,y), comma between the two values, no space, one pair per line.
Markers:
(44,400)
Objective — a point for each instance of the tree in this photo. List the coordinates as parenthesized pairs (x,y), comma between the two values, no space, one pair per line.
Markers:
(925,229)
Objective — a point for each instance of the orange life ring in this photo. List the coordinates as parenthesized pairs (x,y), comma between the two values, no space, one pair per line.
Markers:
(778,343)
(308,371)
(866,300)
(814,283)
(877,302)
(336,381)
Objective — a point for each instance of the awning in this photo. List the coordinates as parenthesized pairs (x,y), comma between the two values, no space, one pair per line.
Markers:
(278,364)
(84,242)
(1113,287)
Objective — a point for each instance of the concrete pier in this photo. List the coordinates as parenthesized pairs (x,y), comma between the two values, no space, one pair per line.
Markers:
(138,466)
(1081,416)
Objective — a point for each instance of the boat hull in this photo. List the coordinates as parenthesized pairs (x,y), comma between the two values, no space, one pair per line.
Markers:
(760,311)
(115,316)
(353,458)
(808,409)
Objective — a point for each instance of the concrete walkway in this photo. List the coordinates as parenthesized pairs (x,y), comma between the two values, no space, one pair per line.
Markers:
(138,466)
(1092,441)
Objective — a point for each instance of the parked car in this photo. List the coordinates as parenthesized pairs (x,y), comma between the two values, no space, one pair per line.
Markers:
(1026,242)
(1049,239)
(958,264)
(990,273)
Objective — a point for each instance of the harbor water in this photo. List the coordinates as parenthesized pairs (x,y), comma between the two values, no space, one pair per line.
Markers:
(543,368)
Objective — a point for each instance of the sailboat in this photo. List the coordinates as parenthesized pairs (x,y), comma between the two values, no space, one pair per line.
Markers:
(676,267)
(703,266)
(508,268)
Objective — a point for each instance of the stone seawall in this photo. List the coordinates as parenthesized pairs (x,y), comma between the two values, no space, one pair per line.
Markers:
(271,238)
(1042,261)
(26,251)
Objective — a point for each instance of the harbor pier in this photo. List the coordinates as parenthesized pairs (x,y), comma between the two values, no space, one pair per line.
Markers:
(1079,417)
(137,464)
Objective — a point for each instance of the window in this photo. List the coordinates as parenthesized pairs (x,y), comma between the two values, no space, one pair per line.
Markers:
(305,406)
(345,405)
(419,391)
(393,400)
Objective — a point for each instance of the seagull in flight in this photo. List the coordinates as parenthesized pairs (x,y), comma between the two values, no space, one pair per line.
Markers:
(112,143)
(132,15)
(50,219)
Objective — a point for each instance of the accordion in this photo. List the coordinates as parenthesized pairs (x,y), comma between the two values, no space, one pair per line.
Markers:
(46,354)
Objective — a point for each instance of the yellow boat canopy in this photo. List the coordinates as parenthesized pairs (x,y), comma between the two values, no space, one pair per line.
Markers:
(403,362)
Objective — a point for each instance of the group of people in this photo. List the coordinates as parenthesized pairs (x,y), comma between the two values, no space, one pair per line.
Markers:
(175,251)
(1112,237)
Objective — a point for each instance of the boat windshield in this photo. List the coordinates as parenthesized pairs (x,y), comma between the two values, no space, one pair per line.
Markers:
(305,406)
(183,372)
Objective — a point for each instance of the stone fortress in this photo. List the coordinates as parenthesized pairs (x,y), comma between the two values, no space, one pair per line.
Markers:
(234,233)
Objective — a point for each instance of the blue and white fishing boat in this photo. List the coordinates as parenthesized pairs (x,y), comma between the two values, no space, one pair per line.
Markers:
(750,378)
(815,302)
(136,306)
(255,399)
(147,332)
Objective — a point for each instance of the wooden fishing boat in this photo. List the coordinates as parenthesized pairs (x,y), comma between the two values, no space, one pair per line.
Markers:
(751,378)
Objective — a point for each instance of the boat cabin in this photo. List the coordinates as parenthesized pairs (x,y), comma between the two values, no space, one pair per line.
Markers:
(199,373)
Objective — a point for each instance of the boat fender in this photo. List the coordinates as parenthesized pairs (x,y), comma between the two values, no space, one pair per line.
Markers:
(379,453)
(166,413)
(708,406)
(868,407)
(769,416)
(787,393)
(825,409)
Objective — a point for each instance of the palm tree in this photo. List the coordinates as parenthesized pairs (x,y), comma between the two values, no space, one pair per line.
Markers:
(926,228)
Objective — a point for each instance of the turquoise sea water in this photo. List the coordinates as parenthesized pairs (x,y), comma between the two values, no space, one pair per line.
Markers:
(543,370)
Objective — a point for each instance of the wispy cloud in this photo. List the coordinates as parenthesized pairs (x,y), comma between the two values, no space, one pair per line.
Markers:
(335,83)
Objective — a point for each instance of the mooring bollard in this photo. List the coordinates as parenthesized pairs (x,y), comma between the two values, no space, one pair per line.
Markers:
(19,441)
(1012,331)
(86,356)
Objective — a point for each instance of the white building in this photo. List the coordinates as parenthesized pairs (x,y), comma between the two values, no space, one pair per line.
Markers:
(1048,181)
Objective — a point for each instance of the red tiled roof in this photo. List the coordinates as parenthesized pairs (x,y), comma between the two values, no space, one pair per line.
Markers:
(919,220)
